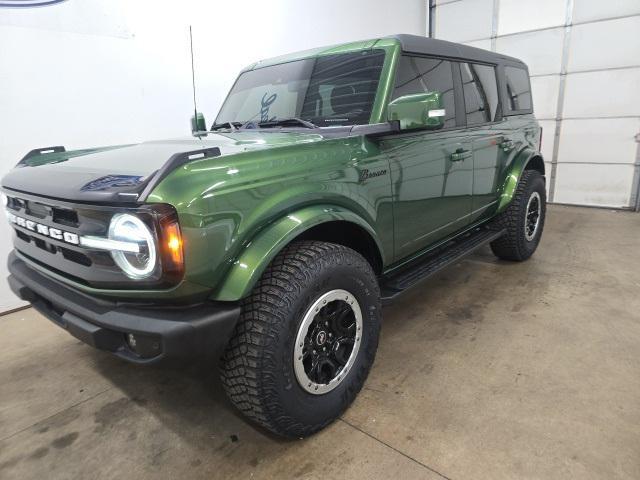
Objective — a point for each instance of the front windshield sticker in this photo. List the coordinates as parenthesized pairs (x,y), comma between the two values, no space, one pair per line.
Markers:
(266,103)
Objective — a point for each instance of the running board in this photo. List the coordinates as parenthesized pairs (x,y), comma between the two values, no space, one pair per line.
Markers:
(397,283)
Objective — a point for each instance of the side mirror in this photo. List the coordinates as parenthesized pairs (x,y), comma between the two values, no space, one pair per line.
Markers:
(198,123)
(420,110)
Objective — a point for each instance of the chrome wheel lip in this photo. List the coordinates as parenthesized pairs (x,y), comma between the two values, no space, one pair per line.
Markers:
(303,379)
(528,211)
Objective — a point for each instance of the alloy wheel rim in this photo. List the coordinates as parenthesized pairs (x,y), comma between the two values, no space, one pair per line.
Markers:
(532,216)
(327,342)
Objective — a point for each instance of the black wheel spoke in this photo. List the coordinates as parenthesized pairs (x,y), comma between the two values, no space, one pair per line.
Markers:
(342,311)
(314,370)
(342,349)
(330,367)
(339,311)
(343,322)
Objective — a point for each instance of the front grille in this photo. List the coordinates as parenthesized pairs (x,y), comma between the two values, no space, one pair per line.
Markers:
(65,256)
(74,256)
(65,217)
(37,209)
(24,237)
(91,267)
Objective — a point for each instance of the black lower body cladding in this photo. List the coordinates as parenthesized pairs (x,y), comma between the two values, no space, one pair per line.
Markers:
(138,334)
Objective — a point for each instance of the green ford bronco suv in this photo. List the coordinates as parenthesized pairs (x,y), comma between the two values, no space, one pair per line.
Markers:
(332,181)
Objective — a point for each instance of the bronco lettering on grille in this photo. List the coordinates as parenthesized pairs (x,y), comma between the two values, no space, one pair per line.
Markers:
(45,230)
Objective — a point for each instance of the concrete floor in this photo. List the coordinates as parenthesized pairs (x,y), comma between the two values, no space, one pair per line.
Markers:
(490,370)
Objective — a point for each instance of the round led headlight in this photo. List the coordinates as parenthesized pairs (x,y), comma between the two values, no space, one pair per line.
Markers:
(129,228)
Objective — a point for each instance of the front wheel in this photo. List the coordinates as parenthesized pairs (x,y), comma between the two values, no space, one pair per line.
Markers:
(306,339)
(523,220)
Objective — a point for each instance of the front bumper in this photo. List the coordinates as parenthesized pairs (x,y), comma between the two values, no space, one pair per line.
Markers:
(159,333)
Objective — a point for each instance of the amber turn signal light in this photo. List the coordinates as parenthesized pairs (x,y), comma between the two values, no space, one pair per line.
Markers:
(174,243)
(172,249)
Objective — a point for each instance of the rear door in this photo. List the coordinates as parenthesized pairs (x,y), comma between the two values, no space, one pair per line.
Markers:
(431,170)
(489,137)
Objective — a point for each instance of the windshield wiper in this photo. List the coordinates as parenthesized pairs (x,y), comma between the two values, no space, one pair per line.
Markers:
(287,121)
(229,125)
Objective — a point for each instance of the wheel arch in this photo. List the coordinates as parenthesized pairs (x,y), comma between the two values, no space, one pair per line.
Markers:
(320,222)
(525,160)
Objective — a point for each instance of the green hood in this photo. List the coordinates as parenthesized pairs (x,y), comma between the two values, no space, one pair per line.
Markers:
(109,174)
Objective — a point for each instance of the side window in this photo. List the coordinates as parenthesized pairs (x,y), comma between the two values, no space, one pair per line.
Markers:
(480,93)
(518,88)
(423,75)
(342,88)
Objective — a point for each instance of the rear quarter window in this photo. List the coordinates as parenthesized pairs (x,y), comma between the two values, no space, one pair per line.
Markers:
(482,103)
(518,89)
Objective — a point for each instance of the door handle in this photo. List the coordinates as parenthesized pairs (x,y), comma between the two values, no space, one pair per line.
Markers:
(459,155)
(507,145)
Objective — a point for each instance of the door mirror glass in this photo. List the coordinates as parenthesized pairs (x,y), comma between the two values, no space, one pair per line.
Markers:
(420,110)
(198,123)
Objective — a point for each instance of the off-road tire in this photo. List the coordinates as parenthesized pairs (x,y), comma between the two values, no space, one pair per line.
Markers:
(514,245)
(257,368)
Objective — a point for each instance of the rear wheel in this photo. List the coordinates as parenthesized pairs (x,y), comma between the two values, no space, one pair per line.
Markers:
(523,219)
(305,340)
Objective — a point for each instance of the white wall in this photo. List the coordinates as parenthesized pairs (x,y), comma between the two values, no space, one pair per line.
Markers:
(98,72)
(584,58)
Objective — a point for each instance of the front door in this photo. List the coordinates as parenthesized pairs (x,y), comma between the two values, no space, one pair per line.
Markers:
(431,170)
(432,178)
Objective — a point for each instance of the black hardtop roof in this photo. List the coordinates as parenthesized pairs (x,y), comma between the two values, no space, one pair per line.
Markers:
(442,48)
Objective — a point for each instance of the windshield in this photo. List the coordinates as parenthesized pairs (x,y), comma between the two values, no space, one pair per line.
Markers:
(326,91)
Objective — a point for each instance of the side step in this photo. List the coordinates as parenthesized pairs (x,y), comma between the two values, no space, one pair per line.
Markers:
(397,283)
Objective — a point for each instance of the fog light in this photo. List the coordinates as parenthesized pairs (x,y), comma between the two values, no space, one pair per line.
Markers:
(143,346)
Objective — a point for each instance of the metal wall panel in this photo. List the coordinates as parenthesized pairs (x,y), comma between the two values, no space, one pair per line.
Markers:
(601,185)
(523,15)
(464,20)
(548,138)
(545,96)
(608,93)
(485,44)
(608,44)
(541,51)
(590,10)
(609,140)
(548,167)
